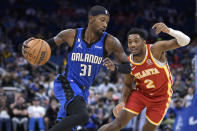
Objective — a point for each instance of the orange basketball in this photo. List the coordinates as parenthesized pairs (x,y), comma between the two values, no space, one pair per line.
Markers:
(38,52)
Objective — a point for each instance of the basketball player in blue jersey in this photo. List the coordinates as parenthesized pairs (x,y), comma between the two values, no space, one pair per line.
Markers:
(87,49)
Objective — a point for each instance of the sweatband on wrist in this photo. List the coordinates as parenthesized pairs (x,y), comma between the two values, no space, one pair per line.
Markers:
(51,42)
(181,38)
(124,68)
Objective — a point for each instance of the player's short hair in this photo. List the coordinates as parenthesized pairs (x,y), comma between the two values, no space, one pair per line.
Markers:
(98,10)
(138,31)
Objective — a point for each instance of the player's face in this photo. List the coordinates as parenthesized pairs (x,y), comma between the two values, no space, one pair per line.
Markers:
(136,44)
(100,23)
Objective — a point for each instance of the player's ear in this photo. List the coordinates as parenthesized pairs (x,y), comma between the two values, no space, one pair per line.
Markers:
(90,18)
(144,42)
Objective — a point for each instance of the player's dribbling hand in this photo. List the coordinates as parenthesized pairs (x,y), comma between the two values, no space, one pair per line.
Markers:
(25,46)
(118,108)
(109,64)
(160,27)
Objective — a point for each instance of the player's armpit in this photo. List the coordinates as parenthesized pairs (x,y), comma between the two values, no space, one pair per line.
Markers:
(65,36)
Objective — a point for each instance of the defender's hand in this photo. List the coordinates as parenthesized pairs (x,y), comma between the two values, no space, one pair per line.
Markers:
(109,64)
(118,108)
(161,27)
(25,45)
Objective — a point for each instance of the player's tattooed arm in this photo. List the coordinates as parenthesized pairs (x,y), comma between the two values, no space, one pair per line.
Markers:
(127,88)
(65,36)
(114,46)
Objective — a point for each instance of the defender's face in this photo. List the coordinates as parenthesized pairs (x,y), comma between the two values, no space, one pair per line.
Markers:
(135,44)
(99,23)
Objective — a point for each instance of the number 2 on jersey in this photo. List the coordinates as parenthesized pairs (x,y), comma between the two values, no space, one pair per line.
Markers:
(149,83)
(85,69)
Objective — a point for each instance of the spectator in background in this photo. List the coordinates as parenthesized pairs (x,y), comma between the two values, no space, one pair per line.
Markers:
(179,85)
(51,114)
(41,93)
(36,114)
(109,93)
(4,115)
(101,110)
(93,122)
(7,54)
(189,97)
(50,84)
(20,115)
(7,81)
(176,63)
(91,98)
(45,102)
(103,88)
(178,106)
(168,121)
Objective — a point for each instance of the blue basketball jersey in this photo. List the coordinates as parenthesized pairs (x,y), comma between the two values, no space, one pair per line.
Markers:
(84,60)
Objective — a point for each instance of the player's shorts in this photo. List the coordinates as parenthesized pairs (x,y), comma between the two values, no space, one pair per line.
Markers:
(65,92)
(155,108)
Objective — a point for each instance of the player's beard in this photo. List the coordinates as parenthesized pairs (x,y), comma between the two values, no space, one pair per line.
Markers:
(99,33)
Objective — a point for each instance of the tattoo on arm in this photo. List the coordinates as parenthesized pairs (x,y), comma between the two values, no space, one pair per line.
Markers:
(65,36)
(61,36)
(119,52)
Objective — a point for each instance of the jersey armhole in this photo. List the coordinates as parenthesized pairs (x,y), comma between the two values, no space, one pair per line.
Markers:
(159,63)
(71,48)
(104,49)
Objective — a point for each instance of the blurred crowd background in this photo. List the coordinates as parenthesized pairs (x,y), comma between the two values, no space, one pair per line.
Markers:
(26,92)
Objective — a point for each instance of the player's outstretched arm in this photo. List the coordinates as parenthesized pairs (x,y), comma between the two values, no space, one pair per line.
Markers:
(65,36)
(180,39)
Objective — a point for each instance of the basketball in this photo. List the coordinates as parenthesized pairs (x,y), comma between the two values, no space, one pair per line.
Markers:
(38,52)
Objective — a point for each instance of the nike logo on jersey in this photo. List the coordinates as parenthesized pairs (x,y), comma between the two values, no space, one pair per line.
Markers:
(99,47)
(133,68)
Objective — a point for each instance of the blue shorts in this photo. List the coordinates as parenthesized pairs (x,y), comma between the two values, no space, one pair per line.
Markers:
(61,94)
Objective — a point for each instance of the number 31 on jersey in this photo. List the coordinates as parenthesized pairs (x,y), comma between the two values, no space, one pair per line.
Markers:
(85,70)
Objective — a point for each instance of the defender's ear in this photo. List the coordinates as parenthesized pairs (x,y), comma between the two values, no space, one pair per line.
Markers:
(144,42)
